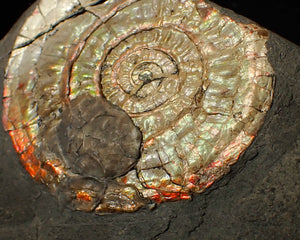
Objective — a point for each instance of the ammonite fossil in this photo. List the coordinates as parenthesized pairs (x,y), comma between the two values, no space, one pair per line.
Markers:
(120,103)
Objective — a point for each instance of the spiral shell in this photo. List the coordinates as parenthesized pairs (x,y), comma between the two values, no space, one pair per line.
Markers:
(194,82)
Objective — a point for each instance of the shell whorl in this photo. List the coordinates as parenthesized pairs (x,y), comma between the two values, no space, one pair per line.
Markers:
(195,82)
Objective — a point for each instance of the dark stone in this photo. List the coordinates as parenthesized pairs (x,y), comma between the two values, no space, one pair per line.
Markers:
(98,139)
(97,142)
(18,233)
(258,199)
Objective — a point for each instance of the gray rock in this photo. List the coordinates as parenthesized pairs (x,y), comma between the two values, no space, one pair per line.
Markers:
(258,199)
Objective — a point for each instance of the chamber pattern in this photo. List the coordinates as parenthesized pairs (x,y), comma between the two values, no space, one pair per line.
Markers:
(122,103)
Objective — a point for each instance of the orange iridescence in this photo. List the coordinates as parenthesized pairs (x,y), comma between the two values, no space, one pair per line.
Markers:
(30,162)
(149,143)
(169,196)
(84,196)
(20,139)
(55,166)
(196,87)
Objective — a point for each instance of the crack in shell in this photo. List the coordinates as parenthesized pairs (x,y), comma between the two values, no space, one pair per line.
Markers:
(196,83)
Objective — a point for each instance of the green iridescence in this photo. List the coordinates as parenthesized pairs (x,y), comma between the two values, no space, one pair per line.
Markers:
(196,83)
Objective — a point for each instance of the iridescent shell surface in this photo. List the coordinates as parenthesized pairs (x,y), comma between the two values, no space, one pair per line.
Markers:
(187,85)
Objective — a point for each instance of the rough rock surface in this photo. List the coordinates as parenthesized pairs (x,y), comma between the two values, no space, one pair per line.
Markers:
(258,199)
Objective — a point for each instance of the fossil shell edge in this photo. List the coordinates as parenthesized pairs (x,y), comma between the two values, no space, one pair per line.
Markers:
(196,83)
